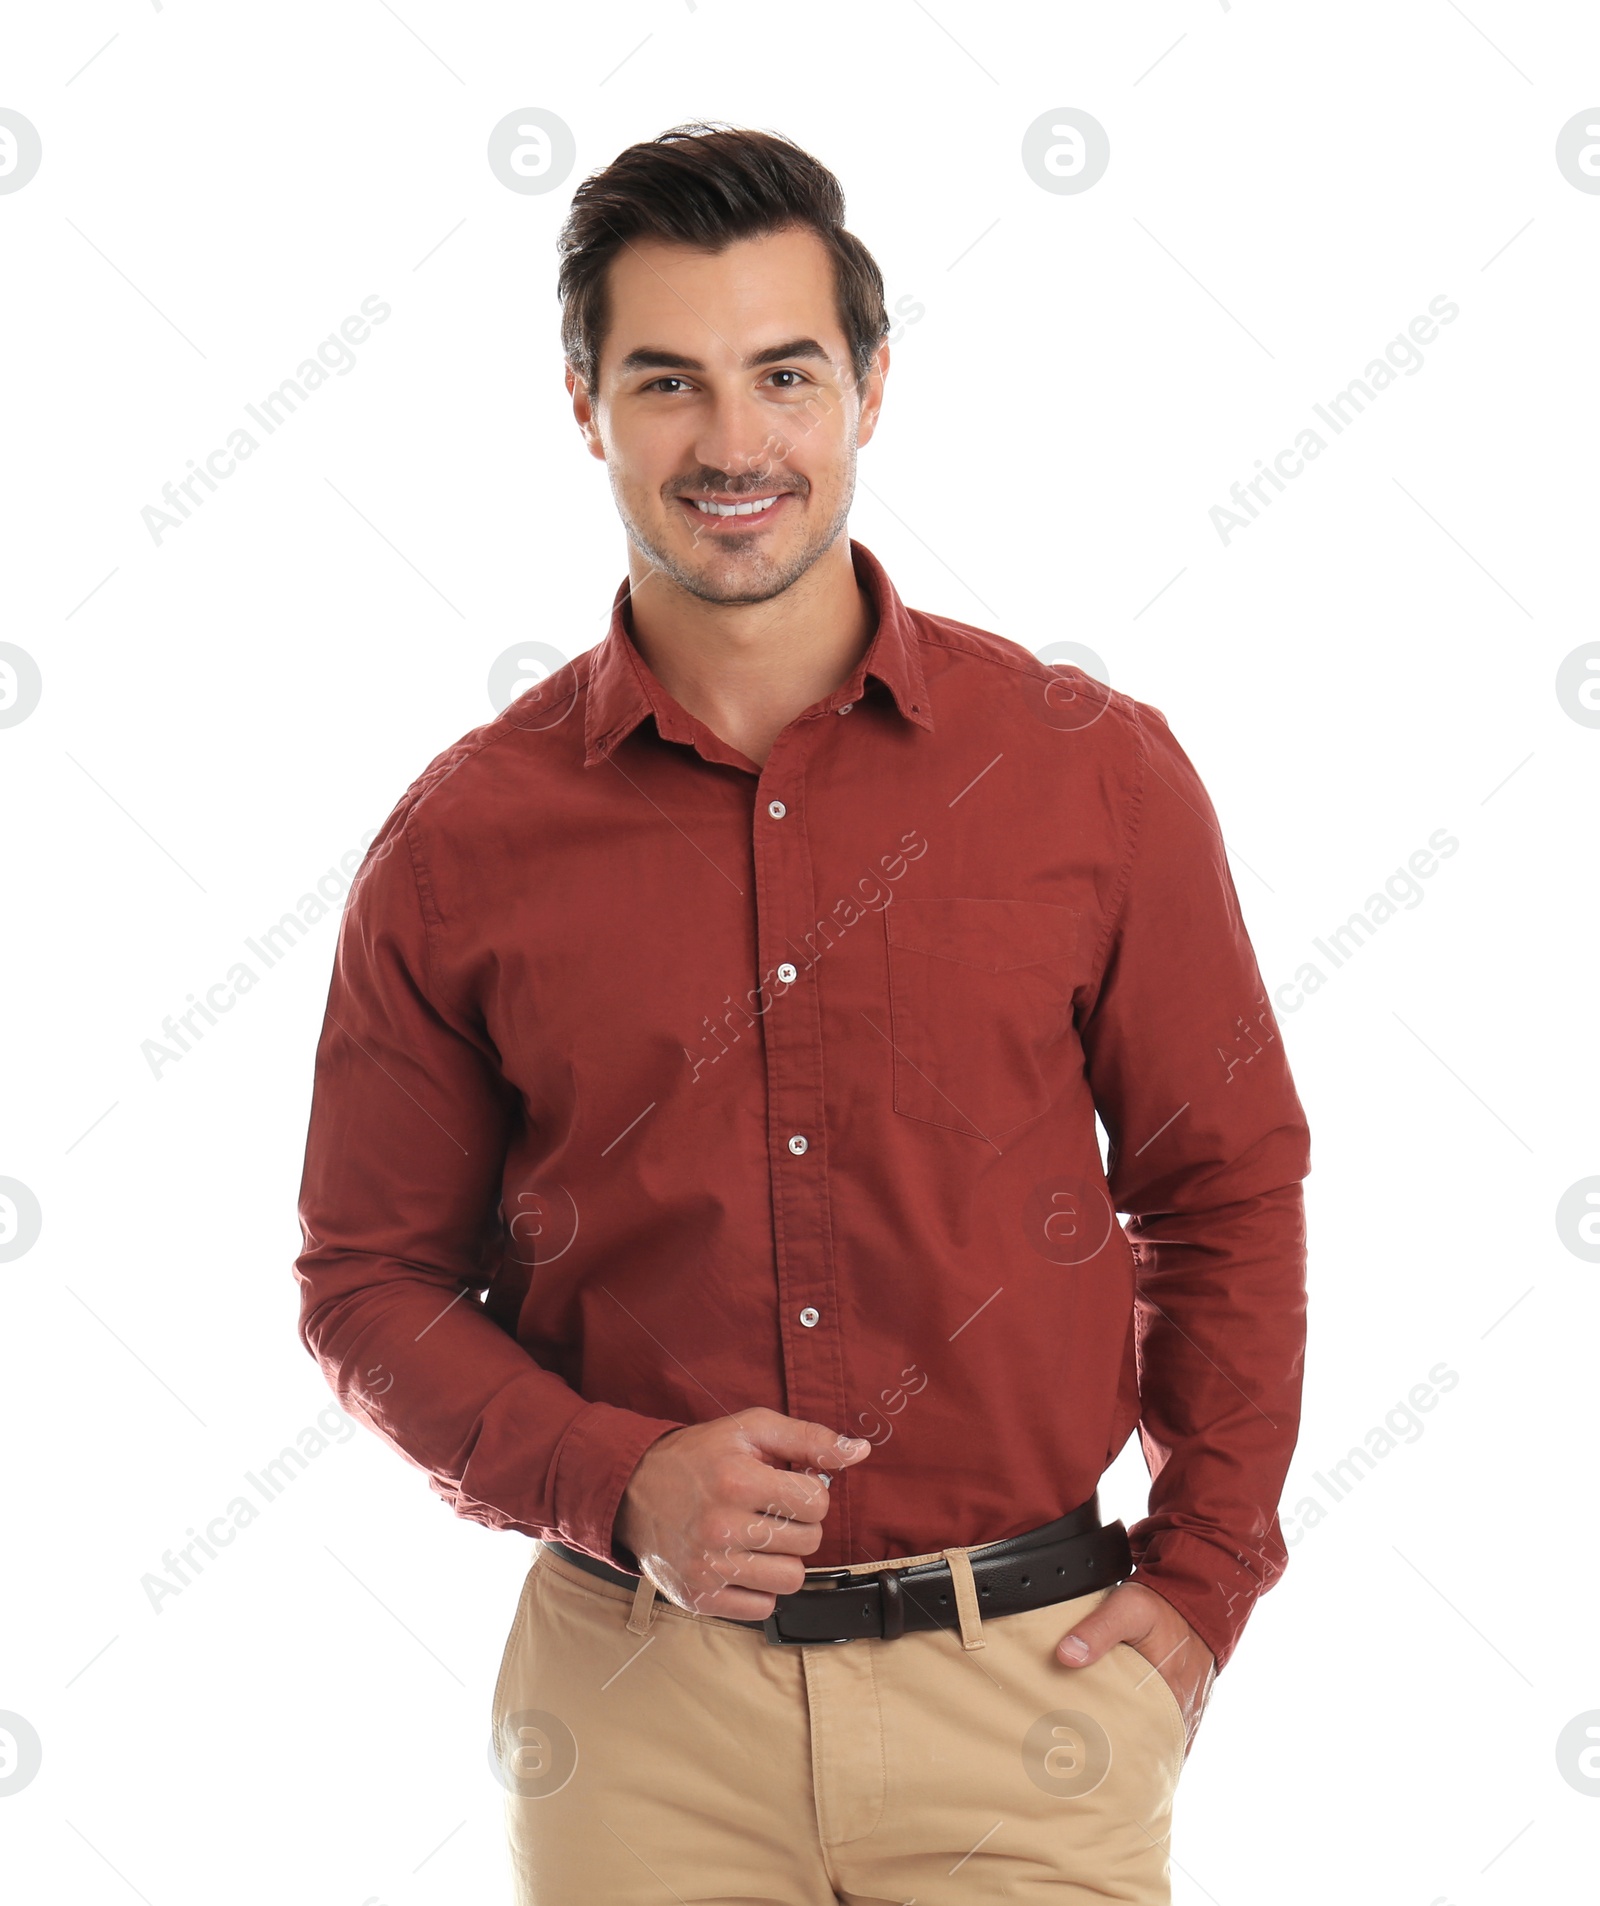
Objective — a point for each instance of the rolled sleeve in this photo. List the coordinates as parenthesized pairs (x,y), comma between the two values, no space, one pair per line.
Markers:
(1208,1144)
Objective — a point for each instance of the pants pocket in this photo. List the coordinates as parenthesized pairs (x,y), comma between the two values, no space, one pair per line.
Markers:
(1150,1684)
(533,1751)
(504,1679)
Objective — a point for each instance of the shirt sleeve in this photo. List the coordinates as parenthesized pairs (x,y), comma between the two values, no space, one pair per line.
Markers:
(1207,1146)
(399,1216)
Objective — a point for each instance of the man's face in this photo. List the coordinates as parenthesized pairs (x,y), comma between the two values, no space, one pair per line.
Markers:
(726,379)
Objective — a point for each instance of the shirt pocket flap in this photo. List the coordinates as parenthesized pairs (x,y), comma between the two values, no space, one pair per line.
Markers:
(996,935)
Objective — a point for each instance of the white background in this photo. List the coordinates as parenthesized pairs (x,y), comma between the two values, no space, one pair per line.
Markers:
(226,714)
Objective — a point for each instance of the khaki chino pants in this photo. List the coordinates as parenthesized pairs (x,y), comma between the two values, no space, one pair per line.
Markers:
(650,1756)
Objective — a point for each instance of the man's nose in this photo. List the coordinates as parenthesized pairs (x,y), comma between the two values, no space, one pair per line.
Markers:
(739,442)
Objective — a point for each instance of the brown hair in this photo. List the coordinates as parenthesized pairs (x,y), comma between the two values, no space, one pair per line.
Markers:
(708,185)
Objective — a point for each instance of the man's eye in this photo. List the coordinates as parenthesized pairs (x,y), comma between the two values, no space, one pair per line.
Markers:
(660,383)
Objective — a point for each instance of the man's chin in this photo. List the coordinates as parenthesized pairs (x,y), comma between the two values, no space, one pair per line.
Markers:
(747,580)
(741,572)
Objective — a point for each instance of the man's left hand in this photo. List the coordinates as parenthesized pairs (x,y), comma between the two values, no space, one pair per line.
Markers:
(1153,1628)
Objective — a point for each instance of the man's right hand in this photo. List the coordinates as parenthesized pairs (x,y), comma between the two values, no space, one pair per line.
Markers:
(716,1526)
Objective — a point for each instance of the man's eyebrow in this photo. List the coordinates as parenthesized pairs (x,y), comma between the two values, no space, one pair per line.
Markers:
(650,358)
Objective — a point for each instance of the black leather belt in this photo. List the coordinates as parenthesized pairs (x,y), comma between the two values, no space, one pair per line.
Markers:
(1071,1556)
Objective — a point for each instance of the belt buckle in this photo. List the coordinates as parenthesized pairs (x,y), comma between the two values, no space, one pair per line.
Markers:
(769,1626)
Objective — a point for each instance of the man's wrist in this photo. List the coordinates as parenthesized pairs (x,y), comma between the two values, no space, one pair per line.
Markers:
(623,1553)
(1211,1587)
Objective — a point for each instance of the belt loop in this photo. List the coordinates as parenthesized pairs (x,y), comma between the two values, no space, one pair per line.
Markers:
(894,1604)
(643,1611)
(966,1598)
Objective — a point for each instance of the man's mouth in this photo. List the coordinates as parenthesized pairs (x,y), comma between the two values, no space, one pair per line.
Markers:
(742,511)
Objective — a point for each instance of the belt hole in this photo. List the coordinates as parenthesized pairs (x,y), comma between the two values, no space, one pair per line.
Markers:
(1024,1581)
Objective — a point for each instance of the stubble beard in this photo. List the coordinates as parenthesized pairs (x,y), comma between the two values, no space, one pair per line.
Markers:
(749,576)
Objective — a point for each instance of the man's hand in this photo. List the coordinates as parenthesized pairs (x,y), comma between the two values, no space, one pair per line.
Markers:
(716,1526)
(1153,1628)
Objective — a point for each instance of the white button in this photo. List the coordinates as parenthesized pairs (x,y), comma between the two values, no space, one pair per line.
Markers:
(777,810)
(809,1316)
(787,972)
(797,1144)
(845,707)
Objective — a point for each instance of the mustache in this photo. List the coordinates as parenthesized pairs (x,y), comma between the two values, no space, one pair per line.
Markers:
(714,485)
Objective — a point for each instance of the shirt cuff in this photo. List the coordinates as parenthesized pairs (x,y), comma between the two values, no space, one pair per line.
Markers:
(593,1464)
(1208,1585)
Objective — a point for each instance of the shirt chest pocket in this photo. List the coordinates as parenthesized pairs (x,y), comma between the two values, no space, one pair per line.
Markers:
(978,992)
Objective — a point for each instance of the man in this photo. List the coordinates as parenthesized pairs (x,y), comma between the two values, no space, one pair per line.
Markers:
(734,1011)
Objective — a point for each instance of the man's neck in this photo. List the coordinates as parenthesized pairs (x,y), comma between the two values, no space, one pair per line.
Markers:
(747,669)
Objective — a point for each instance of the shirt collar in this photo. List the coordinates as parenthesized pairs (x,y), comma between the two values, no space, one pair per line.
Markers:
(623,689)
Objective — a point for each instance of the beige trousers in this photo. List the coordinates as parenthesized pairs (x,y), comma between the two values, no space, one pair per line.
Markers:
(650,1756)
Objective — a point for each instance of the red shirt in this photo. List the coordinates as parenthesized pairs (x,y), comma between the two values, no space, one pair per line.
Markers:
(729,1086)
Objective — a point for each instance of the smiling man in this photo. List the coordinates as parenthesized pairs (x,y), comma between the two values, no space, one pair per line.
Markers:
(703,1175)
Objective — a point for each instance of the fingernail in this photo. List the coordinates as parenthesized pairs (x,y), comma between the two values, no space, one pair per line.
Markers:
(1074,1648)
(853,1443)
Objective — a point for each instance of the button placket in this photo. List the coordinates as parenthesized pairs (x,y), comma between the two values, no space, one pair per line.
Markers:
(786,883)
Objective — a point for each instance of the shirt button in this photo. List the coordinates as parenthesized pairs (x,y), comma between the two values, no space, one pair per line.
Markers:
(809,1317)
(788,972)
(777,810)
(798,1143)
(846,707)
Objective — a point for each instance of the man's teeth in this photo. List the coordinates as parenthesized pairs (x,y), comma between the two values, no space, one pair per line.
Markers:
(733,509)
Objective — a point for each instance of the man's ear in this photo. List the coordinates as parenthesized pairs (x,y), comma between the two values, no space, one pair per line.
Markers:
(583,411)
(872,393)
